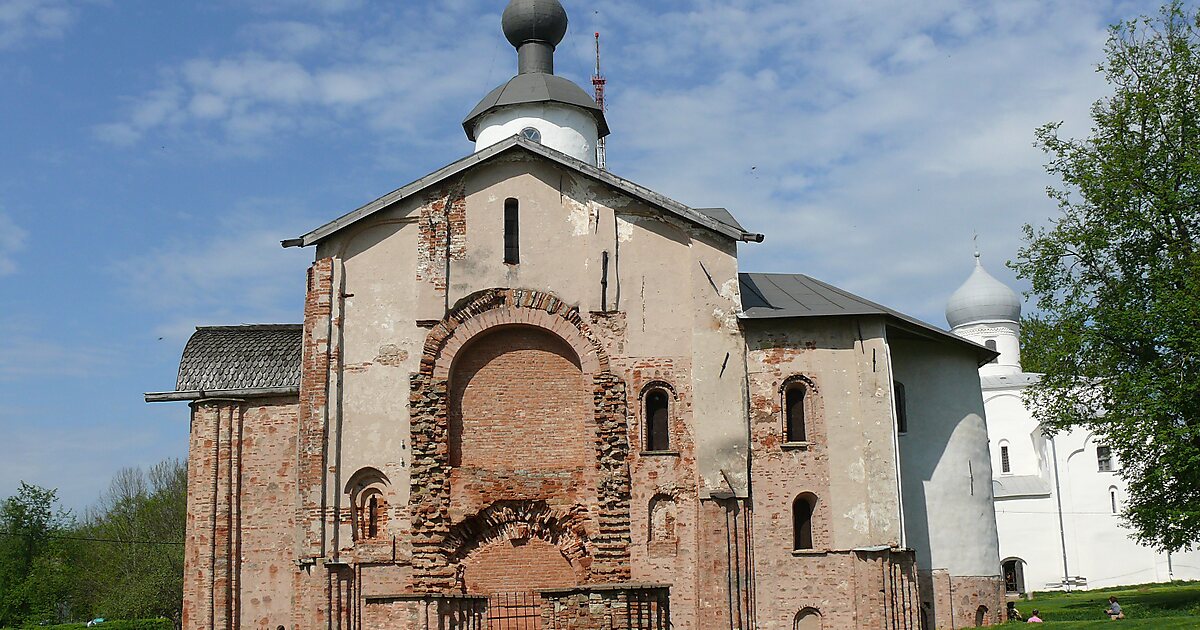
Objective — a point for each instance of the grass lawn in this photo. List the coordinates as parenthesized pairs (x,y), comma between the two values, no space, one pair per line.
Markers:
(1166,606)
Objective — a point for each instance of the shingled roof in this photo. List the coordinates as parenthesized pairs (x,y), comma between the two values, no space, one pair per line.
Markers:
(249,359)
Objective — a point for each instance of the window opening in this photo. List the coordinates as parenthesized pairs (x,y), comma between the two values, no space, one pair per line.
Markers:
(657,421)
(901,407)
(794,399)
(1112,497)
(991,345)
(1004,464)
(1104,461)
(802,512)
(373,517)
(511,232)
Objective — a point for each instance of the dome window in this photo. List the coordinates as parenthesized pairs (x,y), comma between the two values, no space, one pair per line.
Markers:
(531,133)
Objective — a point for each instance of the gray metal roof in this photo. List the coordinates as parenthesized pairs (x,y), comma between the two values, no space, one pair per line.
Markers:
(516,143)
(257,356)
(781,295)
(536,87)
(722,215)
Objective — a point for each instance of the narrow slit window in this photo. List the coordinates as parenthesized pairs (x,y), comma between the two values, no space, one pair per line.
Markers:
(512,227)
(794,402)
(901,407)
(1112,498)
(1004,464)
(373,517)
(658,437)
(991,345)
(802,513)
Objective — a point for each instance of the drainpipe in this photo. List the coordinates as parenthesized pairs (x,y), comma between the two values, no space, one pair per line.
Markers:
(1062,531)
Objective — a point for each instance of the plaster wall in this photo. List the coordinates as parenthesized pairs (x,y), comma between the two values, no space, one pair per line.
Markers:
(1098,547)
(945,462)
(563,128)
(850,463)
(674,286)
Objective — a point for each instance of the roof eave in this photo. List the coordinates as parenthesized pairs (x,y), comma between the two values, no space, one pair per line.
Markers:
(207,394)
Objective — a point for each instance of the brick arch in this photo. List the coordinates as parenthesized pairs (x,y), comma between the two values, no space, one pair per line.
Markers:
(521,520)
(433,549)
(485,310)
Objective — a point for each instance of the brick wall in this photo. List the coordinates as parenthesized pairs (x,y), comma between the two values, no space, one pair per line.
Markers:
(517,565)
(241,478)
(518,396)
(955,601)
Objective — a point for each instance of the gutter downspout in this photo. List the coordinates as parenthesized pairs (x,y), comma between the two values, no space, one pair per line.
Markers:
(1062,532)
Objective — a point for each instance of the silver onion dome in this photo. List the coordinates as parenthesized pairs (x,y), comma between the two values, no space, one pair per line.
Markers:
(982,298)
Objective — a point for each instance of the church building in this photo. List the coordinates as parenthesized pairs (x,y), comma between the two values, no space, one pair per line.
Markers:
(1058,498)
(529,393)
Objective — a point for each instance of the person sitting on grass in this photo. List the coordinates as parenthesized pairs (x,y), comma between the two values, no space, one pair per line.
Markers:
(1114,609)
(1033,617)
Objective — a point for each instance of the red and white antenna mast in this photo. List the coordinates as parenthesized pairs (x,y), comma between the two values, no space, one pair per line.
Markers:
(598,86)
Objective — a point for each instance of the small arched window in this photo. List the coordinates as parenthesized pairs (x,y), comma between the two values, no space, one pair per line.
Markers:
(901,407)
(512,227)
(368,500)
(980,616)
(1112,498)
(657,419)
(794,414)
(1005,464)
(802,514)
(808,619)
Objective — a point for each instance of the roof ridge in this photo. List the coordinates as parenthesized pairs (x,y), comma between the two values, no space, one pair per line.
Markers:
(252,327)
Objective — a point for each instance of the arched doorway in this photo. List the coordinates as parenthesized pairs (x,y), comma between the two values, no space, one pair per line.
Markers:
(1013,570)
(981,616)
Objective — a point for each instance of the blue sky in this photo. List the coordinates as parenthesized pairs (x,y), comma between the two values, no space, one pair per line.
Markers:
(153,154)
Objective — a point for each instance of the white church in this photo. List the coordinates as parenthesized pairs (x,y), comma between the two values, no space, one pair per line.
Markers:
(1058,500)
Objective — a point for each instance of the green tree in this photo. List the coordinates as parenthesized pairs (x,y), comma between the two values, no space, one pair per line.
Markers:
(1117,275)
(139,572)
(33,558)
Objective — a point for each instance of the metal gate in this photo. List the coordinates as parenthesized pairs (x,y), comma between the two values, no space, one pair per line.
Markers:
(520,610)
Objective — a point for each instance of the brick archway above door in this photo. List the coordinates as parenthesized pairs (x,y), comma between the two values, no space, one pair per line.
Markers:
(481,313)
(492,308)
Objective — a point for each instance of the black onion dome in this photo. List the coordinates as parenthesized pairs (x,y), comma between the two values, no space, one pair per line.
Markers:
(534,21)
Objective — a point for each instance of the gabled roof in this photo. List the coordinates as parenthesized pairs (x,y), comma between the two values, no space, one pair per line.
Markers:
(715,223)
(781,295)
(249,359)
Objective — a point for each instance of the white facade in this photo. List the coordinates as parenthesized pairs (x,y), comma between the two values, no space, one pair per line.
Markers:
(1057,501)
(564,128)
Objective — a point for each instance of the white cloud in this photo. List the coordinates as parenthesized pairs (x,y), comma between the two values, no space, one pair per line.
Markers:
(24,20)
(870,140)
(298,76)
(12,240)
(237,274)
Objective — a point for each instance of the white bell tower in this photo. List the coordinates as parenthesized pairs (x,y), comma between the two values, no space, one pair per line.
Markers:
(536,104)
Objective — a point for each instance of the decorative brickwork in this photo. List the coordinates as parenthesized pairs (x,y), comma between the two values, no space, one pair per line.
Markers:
(610,607)
(439,542)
